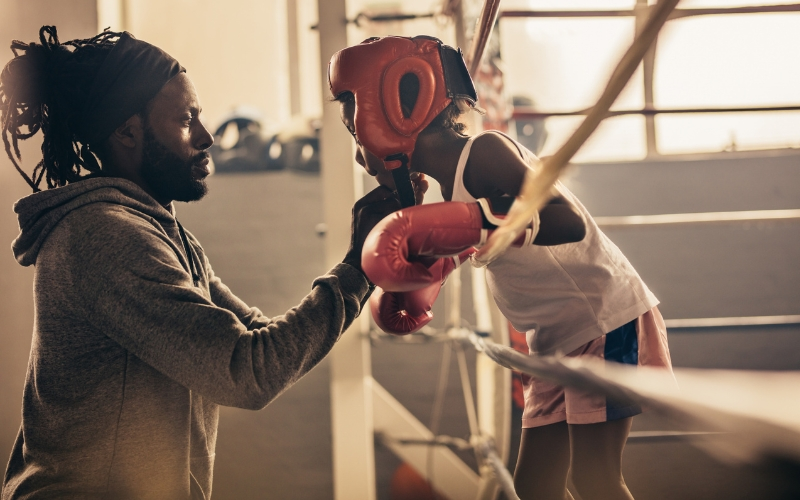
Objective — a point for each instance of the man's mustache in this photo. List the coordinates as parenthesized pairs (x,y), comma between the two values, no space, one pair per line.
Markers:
(200,157)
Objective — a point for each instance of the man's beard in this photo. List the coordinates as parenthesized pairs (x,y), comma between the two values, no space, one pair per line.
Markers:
(167,174)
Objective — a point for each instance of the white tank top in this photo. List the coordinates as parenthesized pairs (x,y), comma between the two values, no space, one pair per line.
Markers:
(562,296)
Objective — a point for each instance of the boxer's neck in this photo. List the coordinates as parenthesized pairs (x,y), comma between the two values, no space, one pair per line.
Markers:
(436,153)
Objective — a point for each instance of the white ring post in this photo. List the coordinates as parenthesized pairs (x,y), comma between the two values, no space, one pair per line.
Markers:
(351,371)
(493,382)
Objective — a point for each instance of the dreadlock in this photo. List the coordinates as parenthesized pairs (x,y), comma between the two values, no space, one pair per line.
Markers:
(44,87)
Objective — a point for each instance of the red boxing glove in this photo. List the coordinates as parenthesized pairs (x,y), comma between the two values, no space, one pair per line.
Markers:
(397,252)
(401,313)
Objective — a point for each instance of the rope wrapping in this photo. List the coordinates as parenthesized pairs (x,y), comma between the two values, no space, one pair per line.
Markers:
(488,452)
(757,408)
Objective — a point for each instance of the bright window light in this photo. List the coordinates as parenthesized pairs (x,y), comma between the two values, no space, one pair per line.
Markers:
(741,60)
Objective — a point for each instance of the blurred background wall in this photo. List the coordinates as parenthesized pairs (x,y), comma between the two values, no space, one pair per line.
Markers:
(22,20)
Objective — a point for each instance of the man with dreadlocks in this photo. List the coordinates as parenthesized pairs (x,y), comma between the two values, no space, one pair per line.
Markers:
(136,341)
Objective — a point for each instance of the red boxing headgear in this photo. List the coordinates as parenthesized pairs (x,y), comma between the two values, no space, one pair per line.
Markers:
(372,71)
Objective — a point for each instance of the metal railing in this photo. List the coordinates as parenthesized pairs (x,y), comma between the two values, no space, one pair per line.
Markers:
(649,111)
(676,14)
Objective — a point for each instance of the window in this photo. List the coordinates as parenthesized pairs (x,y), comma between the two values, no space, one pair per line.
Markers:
(709,61)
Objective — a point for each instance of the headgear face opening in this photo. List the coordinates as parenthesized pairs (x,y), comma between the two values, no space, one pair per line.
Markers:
(372,71)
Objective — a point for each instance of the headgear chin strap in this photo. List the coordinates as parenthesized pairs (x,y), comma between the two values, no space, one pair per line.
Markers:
(372,71)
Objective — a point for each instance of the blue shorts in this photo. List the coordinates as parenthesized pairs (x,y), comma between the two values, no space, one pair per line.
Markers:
(642,341)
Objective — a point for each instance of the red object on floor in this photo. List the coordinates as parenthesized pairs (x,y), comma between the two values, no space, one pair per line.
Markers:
(408,484)
(520,344)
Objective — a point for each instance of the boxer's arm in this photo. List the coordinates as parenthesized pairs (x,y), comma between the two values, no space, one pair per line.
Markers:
(495,169)
(557,223)
(560,223)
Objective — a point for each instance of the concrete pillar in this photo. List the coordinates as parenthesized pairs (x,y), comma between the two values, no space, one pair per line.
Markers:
(351,375)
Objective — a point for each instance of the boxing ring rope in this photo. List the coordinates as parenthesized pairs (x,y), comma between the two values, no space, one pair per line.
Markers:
(698,218)
(676,14)
(761,433)
(788,319)
(488,452)
(483,31)
(775,432)
(532,113)
(484,446)
(387,18)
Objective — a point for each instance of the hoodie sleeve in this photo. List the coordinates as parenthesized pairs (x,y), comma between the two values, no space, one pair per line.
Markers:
(134,289)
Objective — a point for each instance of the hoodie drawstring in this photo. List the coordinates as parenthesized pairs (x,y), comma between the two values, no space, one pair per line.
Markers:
(189,255)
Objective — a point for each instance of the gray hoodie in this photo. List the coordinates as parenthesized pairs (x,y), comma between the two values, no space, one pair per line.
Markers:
(131,357)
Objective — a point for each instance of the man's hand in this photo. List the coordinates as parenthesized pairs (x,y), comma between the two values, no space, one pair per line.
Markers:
(367,212)
(420,183)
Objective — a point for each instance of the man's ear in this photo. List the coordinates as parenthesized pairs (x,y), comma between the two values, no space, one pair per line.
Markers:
(130,133)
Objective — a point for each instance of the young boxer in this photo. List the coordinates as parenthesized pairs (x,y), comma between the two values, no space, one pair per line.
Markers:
(565,283)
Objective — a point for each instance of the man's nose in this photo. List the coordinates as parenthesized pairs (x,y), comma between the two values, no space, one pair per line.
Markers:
(203,138)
